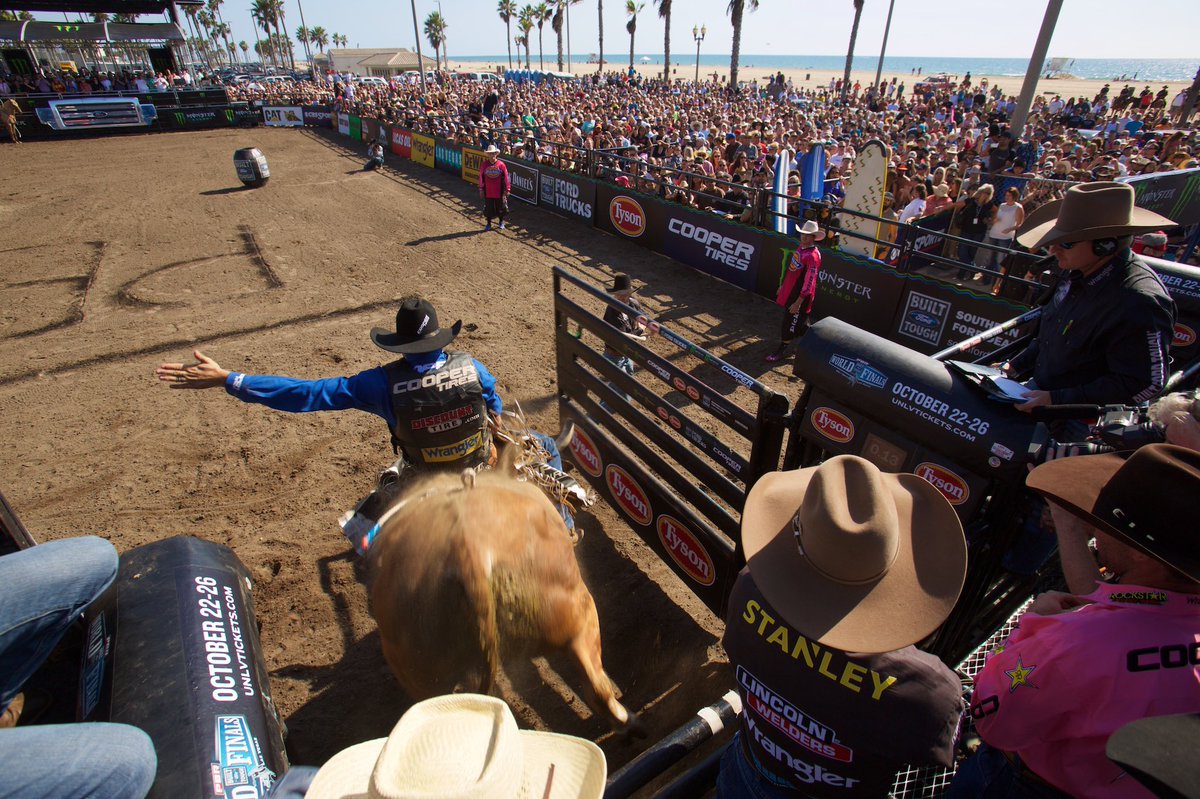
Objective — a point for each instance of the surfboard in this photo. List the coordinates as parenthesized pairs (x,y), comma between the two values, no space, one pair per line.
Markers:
(864,193)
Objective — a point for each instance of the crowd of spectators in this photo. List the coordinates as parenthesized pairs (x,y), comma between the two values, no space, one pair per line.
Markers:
(92,81)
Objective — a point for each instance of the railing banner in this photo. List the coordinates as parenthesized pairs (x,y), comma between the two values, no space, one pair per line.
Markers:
(318,116)
(569,195)
(636,217)
(706,242)
(283,116)
(343,123)
(448,157)
(524,181)
(402,142)
(472,162)
(356,127)
(423,149)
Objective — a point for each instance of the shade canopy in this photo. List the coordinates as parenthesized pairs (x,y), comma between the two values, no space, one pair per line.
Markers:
(39,31)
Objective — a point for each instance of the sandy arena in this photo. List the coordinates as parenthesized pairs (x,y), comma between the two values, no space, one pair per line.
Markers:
(127,251)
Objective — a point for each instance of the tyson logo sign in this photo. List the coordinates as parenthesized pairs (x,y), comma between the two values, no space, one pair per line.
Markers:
(953,487)
(686,550)
(627,216)
(628,494)
(585,453)
(1184,336)
(832,425)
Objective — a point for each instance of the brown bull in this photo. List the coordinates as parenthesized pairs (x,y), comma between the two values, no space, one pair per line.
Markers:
(467,564)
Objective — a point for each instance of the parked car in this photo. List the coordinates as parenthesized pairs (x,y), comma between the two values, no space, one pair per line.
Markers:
(936,83)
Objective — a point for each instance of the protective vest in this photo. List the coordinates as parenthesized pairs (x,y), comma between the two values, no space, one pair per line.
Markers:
(441,415)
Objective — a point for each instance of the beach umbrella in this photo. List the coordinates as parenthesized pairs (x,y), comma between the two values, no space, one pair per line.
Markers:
(646,59)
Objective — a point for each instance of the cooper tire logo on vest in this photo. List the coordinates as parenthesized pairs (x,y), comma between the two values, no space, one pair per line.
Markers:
(953,487)
(832,425)
(685,549)
(628,494)
(1183,336)
(627,216)
(586,454)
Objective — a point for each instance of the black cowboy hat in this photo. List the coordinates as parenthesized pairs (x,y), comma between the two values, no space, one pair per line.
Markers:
(621,282)
(1143,498)
(417,329)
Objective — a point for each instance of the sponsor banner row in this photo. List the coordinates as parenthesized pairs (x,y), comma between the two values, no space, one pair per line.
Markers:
(524,181)
(283,116)
(207,117)
(571,196)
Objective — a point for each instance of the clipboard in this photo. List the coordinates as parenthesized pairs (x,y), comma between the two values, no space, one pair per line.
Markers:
(991,380)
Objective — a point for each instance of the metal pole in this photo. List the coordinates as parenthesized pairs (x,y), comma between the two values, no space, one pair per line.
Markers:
(1017,124)
(883,48)
(568,13)
(420,58)
(697,60)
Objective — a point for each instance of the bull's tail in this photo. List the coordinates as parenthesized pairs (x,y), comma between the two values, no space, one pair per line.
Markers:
(476,583)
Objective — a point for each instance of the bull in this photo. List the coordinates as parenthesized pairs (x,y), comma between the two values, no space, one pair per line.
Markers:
(466,564)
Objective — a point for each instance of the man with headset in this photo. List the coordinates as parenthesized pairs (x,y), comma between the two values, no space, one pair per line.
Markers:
(1104,336)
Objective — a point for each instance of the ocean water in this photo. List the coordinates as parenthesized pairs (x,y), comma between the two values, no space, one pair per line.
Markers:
(1146,69)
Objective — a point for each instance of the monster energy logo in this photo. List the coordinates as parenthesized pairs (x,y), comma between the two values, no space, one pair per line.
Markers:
(67,28)
(229,115)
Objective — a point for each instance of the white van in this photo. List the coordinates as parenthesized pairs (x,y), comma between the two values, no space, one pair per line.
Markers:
(371,80)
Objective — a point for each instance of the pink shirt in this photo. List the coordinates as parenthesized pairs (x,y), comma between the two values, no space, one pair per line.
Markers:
(805,266)
(493,179)
(1062,684)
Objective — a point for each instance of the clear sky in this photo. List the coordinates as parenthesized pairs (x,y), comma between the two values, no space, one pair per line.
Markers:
(1086,28)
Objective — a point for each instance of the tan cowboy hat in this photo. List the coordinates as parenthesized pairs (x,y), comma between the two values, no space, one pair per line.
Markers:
(464,746)
(811,228)
(491,148)
(1145,499)
(1098,210)
(852,557)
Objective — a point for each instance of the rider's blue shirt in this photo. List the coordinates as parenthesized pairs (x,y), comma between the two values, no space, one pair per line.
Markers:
(365,391)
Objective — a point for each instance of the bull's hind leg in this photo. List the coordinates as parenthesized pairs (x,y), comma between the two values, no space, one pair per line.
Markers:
(586,648)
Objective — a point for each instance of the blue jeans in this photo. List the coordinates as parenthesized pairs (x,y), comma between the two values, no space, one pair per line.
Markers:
(42,591)
(987,774)
(739,780)
(555,460)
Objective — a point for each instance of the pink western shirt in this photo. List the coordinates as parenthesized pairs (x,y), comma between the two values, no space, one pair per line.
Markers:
(1061,684)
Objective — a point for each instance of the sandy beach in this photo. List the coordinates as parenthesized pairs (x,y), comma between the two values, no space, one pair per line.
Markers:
(864,72)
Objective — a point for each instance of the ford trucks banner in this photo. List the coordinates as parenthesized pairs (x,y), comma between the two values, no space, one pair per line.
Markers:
(402,142)
(472,161)
(448,157)
(704,241)
(628,215)
(318,116)
(568,195)
(423,149)
(283,116)
(524,180)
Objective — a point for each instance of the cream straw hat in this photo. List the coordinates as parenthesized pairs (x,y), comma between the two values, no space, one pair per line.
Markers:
(463,746)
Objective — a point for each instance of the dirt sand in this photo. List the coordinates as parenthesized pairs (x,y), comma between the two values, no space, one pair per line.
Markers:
(126,251)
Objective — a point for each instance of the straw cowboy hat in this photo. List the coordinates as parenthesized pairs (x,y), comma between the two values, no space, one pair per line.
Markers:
(811,228)
(464,746)
(1103,209)
(854,558)
(1146,498)
(417,329)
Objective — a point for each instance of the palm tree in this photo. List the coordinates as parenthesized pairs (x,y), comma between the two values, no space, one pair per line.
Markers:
(858,7)
(260,12)
(507,9)
(526,25)
(520,41)
(542,14)
(223,30)
(632,9)
(281,31)
(319,37)
(435,28)
(304,36)
(556,23)
(736,8)
(245,51)
(664,11)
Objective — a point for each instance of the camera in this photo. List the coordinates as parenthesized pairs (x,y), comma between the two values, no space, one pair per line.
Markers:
(1119,428)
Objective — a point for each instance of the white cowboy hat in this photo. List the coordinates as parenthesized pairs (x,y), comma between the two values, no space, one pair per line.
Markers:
(491,148)
(852,557)
(811,228)
(464,746)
